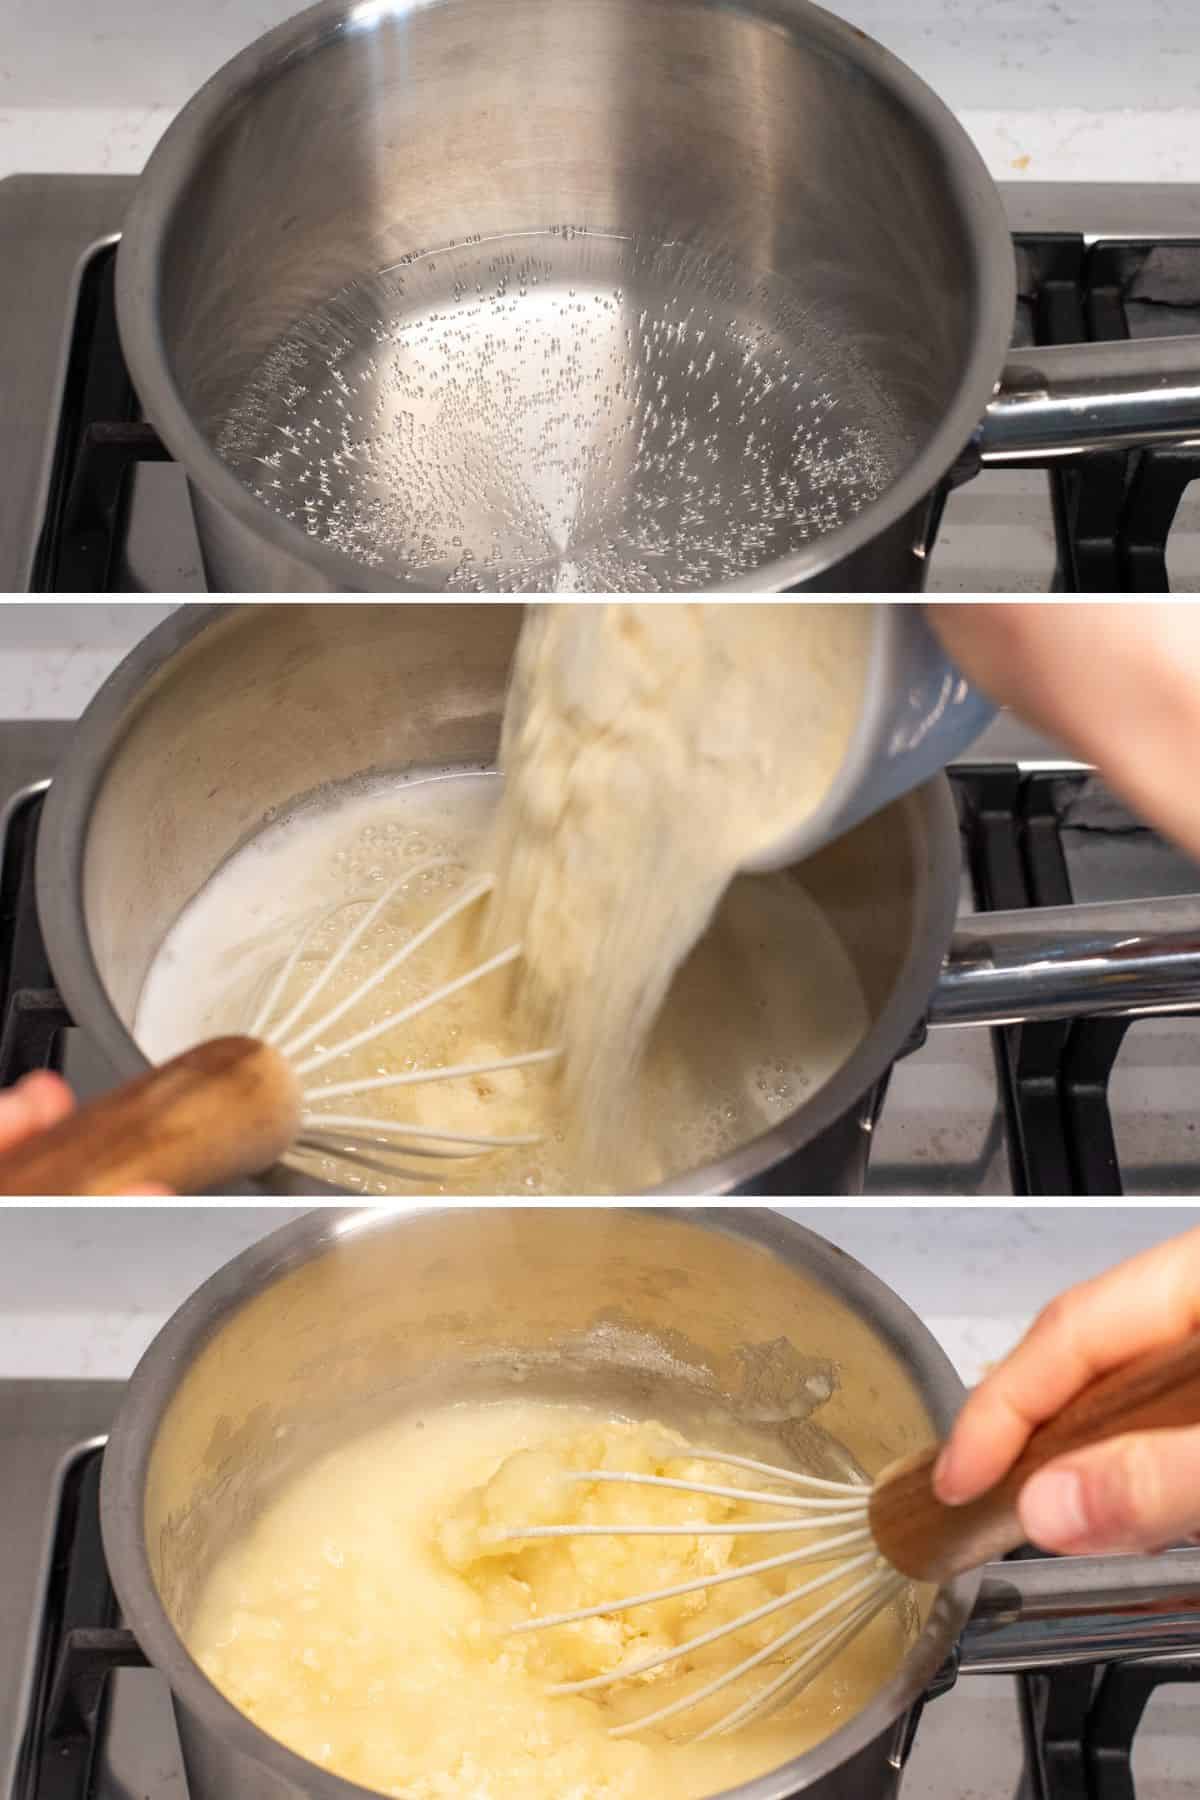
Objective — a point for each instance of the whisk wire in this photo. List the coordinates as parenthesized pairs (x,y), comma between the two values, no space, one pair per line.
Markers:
(689,1646)
(794,1477)
(384,1161)
(368,985)
(807,1667)
(758,1498)
(431,1133)
(696,1528)
(363,1141)
(257,1026)
(296,1013)
(336,1090)
(754,1661)
(416,1007)
(813,1553)
(819,1506)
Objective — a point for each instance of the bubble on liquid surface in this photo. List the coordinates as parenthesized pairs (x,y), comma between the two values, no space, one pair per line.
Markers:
(563,411)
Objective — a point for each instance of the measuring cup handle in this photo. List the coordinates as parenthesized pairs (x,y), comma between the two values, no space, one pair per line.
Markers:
(1069,399)
(1125,960)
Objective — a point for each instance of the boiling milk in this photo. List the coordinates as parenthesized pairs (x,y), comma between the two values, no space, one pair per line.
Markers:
(757,1019)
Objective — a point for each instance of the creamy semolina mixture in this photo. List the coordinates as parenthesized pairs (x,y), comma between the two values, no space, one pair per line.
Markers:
(362,1621)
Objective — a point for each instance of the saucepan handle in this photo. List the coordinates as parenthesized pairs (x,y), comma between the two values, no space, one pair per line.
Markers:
(1126,960)
(1069,399)
(1082,1609)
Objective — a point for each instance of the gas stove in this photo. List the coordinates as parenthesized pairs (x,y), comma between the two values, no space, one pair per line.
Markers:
(91,502)
(1096,1107)
(82,1718)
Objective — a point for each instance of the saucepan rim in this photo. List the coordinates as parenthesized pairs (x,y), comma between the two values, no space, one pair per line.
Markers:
(163,186)
(158,1374)
(62,849)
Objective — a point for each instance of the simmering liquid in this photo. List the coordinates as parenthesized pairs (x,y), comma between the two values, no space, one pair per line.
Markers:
(760,1015)
(362,1620)
(563,411)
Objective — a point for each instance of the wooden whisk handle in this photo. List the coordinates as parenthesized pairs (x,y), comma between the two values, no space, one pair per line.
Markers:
(931,1542)
(224,1110)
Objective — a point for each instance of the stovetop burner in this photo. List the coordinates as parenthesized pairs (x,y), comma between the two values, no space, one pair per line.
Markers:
(93,503)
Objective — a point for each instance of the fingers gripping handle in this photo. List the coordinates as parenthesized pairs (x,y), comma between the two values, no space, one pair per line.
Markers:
(224,1110)
(931,1542)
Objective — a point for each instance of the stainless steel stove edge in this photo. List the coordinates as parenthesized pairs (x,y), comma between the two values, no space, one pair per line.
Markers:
(44,1427)
(57,222)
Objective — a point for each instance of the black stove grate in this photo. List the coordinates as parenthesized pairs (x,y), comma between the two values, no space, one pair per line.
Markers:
(1079,1727)
(1053,1076)
(81,1646)
(99,439)
(1113,512)
(32,1014)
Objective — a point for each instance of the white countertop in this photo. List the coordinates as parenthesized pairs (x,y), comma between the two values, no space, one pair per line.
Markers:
(55,654)
(1051,90)
(83,1289)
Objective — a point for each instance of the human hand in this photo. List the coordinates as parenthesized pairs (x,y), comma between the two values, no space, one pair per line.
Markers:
(1119,684)
(1140,1491)
(34,1104)
(37,1103)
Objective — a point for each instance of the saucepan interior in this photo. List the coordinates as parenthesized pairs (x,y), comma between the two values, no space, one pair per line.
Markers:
(367,167)
(226,716)
(344,1319)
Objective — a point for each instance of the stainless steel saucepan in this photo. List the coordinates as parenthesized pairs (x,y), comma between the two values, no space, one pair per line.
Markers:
(531,295)
(225,715)
(341,1319)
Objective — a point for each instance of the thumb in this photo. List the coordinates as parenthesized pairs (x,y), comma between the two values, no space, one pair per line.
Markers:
(1132,1493)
